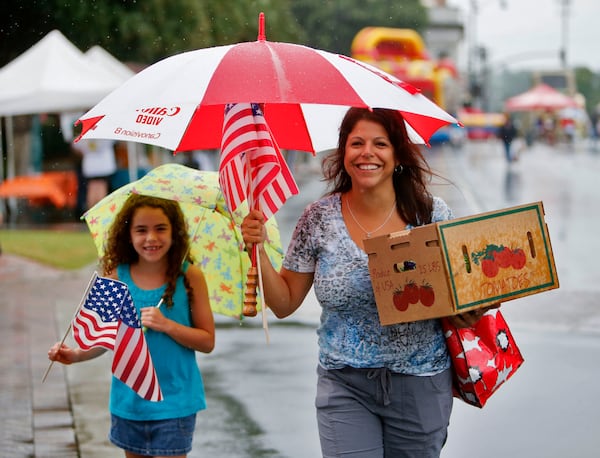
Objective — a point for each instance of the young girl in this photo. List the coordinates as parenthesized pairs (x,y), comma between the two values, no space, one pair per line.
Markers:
(148,249)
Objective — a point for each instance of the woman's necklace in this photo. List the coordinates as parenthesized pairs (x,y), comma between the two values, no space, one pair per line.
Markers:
(368,233)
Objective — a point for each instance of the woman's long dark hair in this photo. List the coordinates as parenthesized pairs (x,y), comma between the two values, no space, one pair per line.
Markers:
(119,249)
(413,199)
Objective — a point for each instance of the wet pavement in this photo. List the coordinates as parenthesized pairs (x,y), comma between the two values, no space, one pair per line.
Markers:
(261,395)
(36,419)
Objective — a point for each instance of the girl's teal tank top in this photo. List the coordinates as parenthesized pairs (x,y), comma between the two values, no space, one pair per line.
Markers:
(176,367)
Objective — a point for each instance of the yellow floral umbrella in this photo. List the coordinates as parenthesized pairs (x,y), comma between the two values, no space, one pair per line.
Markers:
(216,240)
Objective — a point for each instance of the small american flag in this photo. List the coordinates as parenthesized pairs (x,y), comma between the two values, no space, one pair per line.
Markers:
(109,319)
(247,142)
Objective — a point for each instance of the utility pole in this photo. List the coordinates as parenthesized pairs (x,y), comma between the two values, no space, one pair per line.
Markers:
(565,4)
(477,56)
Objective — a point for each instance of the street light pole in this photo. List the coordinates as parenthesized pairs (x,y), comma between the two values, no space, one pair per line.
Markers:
(477,57)
(471,52)
(565,4)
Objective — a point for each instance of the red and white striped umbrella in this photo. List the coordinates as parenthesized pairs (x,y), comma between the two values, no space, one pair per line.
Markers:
(178,103)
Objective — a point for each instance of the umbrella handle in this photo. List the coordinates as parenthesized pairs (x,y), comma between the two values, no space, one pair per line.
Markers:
(250,301)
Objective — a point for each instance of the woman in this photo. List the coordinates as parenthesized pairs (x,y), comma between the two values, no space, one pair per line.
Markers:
(383,391)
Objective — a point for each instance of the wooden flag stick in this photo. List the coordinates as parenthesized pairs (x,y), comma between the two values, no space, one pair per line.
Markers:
(254,273)
(265,323)
(87,290)
(249,306)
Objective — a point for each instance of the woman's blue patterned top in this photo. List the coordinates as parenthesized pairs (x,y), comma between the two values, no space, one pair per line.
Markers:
(350,333)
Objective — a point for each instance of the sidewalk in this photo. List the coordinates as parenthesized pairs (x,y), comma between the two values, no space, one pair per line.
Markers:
(36,418)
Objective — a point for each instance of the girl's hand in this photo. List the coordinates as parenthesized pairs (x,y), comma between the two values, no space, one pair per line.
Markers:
(152,318)
(200,334)
(63,354)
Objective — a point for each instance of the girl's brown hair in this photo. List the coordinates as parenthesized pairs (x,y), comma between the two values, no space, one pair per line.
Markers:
(413,200)
(119,249)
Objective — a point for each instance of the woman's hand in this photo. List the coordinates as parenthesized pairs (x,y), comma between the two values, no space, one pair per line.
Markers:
(253,229)
(469,319)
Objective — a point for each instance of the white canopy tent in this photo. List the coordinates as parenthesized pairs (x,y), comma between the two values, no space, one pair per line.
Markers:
(100,56)
(53,76)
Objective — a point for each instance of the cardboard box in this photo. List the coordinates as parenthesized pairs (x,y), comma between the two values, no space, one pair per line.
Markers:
(462,264)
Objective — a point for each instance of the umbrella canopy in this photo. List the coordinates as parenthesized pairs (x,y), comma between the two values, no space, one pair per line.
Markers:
(540,97)
(216,242)
(178,103)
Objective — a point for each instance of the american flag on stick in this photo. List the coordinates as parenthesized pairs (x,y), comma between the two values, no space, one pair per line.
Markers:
(107,318)
(251,165)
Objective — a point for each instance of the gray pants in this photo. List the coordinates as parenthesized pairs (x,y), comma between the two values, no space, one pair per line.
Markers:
(374,413)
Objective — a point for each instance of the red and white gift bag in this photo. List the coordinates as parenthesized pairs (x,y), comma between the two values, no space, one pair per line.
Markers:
(484,356)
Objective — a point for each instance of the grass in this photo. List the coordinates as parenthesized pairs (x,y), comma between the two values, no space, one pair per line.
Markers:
(67,250)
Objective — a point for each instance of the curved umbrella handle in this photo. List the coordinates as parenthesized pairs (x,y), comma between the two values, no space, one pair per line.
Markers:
(250,301)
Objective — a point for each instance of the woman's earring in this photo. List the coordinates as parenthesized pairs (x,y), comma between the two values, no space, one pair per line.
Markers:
(398,169)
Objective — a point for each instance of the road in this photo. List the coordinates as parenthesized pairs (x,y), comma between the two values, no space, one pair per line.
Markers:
(549,408)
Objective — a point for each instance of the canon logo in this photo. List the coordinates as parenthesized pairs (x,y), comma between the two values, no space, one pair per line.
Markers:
(161,111)
(154,116)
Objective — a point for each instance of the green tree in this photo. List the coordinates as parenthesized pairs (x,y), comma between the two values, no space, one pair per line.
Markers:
(332,24)
(588,85)
(148,30)
(142,31)
(18,28)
